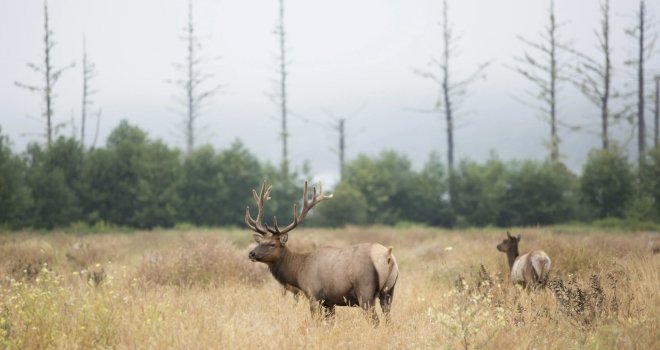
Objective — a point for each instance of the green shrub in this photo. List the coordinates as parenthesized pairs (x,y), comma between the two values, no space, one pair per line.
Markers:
(347,206)
(606,184)
(538,194)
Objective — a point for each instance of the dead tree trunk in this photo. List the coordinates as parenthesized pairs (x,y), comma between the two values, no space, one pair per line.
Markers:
(641,126)
(341,129)
(451,90)
(89,72)
(190,109)
(645,38)
(594,78)
(339,125)
(282,93)
(545,73)
(656,111)
(449,117)
(48,45)
(50,75)
(554,138)
(193,83)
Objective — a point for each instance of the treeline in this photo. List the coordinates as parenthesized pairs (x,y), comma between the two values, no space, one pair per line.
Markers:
(142,183)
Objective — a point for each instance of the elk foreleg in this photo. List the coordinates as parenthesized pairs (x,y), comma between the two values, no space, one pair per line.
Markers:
(289,288)
(315,308)
(329,312)
(320,310)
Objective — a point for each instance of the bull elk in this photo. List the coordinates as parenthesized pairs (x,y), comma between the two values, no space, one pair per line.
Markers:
(530,269)
(328,276)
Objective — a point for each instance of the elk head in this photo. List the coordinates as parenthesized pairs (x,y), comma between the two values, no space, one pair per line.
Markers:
(271,240)
(508,244)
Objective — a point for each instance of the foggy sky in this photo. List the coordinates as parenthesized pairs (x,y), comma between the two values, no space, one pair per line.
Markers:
(345,56)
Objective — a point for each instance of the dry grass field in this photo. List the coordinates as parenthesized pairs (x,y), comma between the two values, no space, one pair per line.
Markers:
(198,290)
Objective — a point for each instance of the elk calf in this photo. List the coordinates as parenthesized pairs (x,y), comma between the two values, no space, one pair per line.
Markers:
(328,277)
(530,269)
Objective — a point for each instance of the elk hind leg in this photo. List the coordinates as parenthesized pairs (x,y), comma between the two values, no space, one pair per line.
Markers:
(386,298)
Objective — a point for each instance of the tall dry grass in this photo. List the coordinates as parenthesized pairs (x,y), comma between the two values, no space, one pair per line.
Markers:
(198,290)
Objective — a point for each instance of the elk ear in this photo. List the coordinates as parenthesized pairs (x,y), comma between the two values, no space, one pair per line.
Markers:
(519,237)
(283,238)
(257,237)
(508,234)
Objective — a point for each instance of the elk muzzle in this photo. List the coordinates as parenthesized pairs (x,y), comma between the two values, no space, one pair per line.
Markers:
(253,256)
(261,253)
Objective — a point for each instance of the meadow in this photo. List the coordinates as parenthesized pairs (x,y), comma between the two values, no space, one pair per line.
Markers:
(196,289)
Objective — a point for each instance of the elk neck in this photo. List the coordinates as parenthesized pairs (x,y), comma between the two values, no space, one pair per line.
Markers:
(511,255)
(287,268)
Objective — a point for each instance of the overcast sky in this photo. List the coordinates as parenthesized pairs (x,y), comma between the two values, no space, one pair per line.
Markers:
(346,56)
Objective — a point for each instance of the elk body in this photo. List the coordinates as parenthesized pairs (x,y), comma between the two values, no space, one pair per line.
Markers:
(530,269)
(328,277)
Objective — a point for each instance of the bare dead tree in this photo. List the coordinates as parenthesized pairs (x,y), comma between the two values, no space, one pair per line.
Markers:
(280,95)
(194,83)
(341,130)
(451,88)
(645,39)
(656,111)
(98,127)
(89,72)
(72,123)
(541,64)
(50,76)
(339,126)
(594,76)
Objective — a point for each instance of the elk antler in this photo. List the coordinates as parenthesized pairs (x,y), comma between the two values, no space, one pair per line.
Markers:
(256,225)
(298,218)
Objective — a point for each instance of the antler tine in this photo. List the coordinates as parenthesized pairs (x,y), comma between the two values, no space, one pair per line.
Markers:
(248,219)
(255,195)
(305,196)
(307,205)
(275,230)
(256,225)
(295,213)
(264,196)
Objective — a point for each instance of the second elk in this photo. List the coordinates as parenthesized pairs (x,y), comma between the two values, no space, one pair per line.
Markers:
(530,269)
(329,276)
